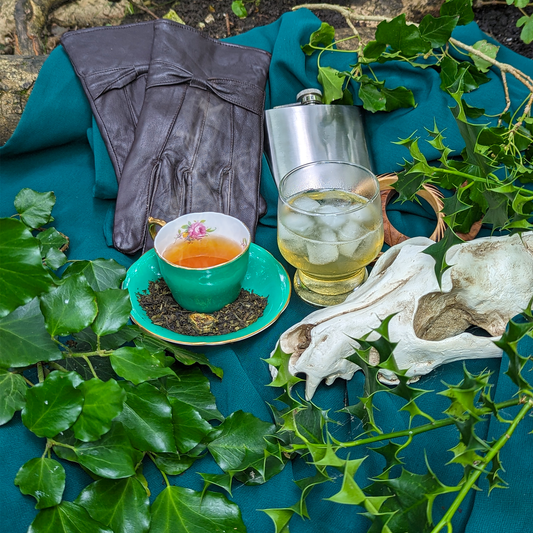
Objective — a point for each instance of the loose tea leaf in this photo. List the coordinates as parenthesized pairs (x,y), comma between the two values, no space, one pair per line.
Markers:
(163,310)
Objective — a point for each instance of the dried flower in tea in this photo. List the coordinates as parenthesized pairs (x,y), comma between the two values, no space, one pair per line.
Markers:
(163,310)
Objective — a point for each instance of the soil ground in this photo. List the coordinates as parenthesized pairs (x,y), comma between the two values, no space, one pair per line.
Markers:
(498,21)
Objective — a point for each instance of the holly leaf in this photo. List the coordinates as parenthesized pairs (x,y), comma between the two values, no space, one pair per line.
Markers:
(280,361)
(22,275)
(496,213)
(122,504)
(323,37)
(12,395)
(103,401)
(147,418)
(350,492)
(66,517)
(25,340)
(189,427)
(34,208)
(193,389)
(438,252)
(332,82)
(114,307)
(53,405)
(281,518)
(194,511)
(486,48)
(452,206)
(101,274)
(112,456)
(508,342)
(44,479)
(182,355)
(437,30)
(461,8)
(402,37)
(138,365)
(70,307)
(240,433)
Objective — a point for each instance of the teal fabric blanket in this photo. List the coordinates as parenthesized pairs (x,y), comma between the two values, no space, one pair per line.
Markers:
(57,146)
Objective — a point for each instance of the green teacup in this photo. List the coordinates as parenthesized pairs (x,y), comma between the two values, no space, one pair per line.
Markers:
(203,258)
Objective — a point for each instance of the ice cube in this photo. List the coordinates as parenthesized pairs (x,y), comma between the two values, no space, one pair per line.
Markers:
(290,240)
(369,216)
(327,234)
(321,254)
(306,204)
(299,224)
(351,230)
(348,249)
(335,221)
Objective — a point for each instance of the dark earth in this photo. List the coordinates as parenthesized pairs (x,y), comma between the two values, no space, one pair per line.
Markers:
(498,21)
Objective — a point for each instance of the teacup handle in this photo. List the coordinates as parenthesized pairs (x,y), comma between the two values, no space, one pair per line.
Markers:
(152,222)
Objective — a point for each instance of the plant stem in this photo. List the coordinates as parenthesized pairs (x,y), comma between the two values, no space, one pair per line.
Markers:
(88,361)
(57,366)
(446,519)
(55,443)
(40,372)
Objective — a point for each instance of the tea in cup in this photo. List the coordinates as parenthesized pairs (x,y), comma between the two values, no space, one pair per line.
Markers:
(203,258)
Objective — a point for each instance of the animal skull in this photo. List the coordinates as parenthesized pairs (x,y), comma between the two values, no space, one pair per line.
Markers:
(489,282)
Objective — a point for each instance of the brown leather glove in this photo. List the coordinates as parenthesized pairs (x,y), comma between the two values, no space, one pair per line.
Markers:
(199,138)
(112,63)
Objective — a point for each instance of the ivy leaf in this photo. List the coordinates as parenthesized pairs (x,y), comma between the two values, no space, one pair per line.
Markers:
(138,365)
(189,427)
(55,259)
(489,49)
(398,98)
(44,479)
(53,405)
(66,517)
(403,37)
(372,51)
(101,274)
(461,8)
(240,433)
(193,388)
(182,355)
(437,30)
(114,307)
(87,341)
(51,238)
(194,511)
(323,37)
(173,464)
(12,394)
(147,418)
(70,307)
(25,340)
(34,207)
(438,252)
(103,401)
(22,275)
(112,456)
(122,504)
(332,82)
(370,94)
(527,31)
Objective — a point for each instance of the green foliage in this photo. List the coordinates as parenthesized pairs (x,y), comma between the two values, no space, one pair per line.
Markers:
(108,396)
(399,500)
(239,9)
(487,178)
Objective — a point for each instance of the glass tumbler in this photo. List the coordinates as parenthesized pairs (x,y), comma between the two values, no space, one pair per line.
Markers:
(330,227)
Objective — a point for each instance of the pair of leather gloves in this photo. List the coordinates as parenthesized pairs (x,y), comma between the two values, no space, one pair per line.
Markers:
(181,115)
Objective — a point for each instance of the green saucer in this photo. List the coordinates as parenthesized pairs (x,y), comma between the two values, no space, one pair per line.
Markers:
(265,276)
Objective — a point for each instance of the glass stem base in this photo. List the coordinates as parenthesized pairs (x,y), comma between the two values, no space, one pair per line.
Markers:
(325,293)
